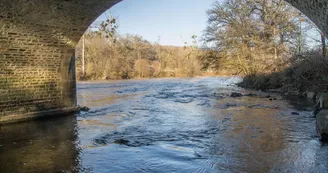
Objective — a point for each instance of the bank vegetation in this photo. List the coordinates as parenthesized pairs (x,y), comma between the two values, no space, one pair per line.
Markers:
(272,44)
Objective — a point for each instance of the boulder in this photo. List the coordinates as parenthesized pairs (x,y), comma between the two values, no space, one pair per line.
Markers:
(322,123)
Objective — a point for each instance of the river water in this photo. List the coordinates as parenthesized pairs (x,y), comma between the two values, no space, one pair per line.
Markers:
(169,125)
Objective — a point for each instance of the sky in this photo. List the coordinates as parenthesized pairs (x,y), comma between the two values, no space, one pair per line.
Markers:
(169,22)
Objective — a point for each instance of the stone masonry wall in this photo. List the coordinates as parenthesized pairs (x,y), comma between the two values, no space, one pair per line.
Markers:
(36,70)
(37,40)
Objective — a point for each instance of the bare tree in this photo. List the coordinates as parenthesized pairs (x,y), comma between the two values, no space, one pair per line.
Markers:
(252,34)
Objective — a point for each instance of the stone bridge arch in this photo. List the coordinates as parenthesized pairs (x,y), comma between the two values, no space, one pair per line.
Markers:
(37,41)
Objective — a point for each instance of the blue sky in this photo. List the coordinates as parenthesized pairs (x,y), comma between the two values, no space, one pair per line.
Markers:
(173,21)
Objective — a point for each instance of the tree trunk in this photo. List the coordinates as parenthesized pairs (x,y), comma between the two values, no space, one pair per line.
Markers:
(300,36)
(323,44)
(83,56)
(275,48)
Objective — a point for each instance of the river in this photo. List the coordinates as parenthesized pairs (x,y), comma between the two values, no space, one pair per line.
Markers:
(186,125)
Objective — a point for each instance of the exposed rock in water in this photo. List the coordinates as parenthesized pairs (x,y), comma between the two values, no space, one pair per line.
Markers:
(83,109)
(235,94)
(295,113)
(121,142)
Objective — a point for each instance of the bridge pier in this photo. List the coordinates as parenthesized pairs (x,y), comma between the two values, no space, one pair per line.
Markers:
(37,69)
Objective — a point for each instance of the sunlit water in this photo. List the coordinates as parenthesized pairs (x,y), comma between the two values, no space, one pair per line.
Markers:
(169,125)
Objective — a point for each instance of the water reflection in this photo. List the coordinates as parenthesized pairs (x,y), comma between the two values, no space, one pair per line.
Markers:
(39,146)
(253,137)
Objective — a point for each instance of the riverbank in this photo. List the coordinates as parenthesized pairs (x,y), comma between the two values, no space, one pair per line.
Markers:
(305,73)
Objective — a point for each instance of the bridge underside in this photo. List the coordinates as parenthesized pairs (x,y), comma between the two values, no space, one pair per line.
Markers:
(37,40)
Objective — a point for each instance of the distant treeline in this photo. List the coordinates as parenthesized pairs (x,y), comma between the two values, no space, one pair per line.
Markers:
(130,56)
